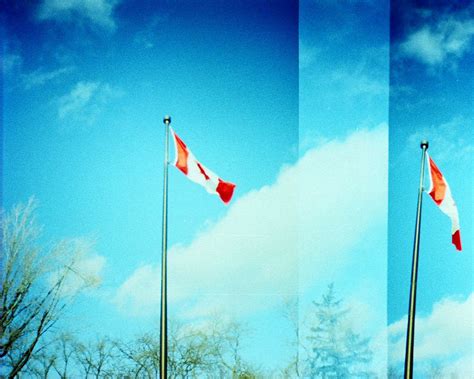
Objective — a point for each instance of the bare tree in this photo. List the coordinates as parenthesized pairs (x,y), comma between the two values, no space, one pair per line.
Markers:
(33,290)
(206,351)
(143,356)
(40,364)
(65,348)
(96,358)
(228,344)
(191,353)
(291,314)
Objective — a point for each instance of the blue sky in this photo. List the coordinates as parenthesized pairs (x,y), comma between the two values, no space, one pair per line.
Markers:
(344,72)
(86,88)
(431,98)
(292,105)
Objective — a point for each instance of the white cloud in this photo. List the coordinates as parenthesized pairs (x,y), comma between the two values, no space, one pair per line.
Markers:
(86,99)
(445,336)
(87,272)
(98,12)
(140,291)
(434,44)
(83,264)
(275,242)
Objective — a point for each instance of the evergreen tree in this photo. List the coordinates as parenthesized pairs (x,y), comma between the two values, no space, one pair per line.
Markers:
(336,350)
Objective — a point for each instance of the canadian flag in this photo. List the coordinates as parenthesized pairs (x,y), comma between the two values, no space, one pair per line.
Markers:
(441,195)
(187,163)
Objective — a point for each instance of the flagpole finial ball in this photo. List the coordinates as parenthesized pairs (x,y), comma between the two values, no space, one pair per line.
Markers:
(167,119)
(424,144)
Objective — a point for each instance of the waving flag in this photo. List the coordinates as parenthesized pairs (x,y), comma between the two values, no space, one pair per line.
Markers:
(441,195)
(187,163)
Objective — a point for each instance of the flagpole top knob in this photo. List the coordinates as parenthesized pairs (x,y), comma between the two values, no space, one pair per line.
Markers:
(424,144)
(167,120)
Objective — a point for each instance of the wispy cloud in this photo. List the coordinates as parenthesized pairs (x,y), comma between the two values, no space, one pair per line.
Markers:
(146,37)
(451,140)
(436,44)
(358,83)
(366,77)
(98,12)
(79,97)
(40,77)
(86,100)
(443,337)
(307,54)
(275,241)
(10,62)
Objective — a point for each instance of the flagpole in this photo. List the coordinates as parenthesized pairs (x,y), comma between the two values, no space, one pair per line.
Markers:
(414,273)
(164,243)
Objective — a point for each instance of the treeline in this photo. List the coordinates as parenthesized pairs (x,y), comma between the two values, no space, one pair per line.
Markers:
(213,351)
(38,284)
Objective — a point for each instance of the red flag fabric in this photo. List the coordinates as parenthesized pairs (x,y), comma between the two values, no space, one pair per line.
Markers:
(441,194)
(187,163)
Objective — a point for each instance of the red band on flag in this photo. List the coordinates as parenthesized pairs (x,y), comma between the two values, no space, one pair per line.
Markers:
(439,185)
(181,155)
(456,239)
(225,190)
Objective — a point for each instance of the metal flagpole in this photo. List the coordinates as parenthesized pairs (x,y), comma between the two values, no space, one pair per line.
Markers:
(163,313)
(414,273)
